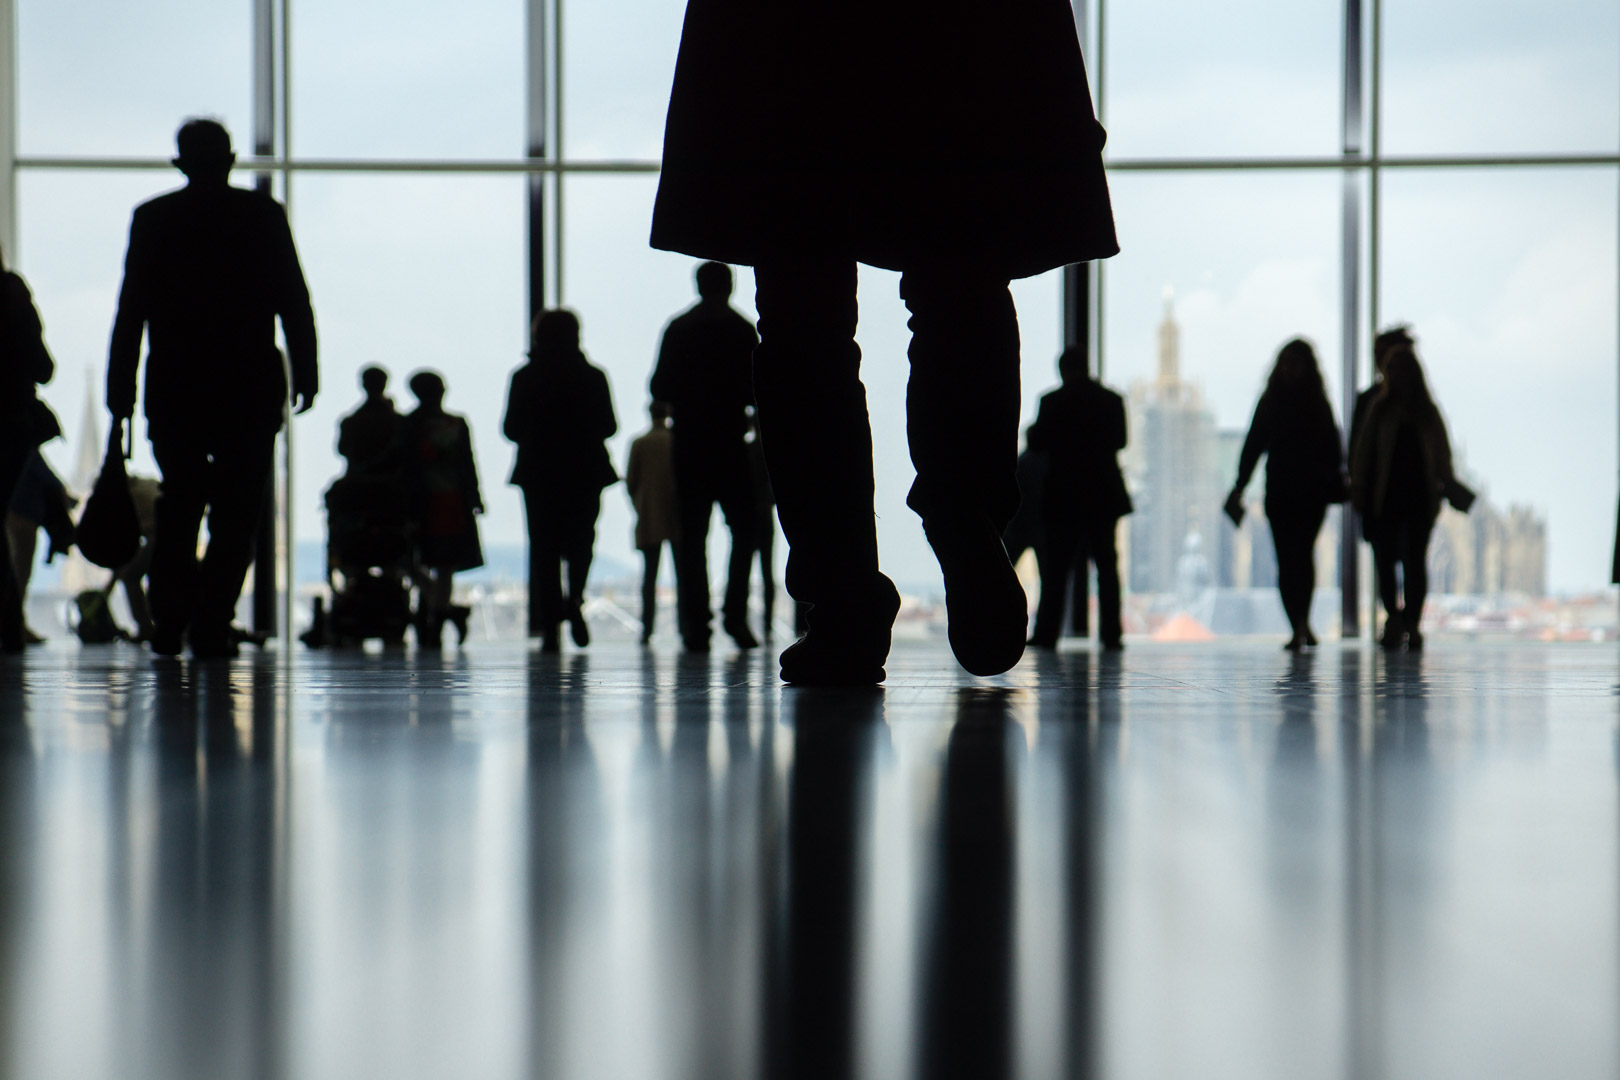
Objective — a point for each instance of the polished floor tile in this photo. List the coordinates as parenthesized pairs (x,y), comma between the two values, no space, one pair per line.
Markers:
(1203,861)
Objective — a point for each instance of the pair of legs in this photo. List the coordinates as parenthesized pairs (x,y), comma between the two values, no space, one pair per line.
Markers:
(223,475)
(434,608)
(1403,542)
(962,407)
(14,453)
(1071,541)
(132,576)
(651,559)
(562,529)
(703,480)
(1293,533)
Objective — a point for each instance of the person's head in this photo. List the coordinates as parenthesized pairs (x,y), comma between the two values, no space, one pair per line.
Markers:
(660,413)
(1404,384)
(554,333)
(1073,366)
(1396,337)
(1296,371)
(204,151)
(374,380)
(428,387)
(714,281)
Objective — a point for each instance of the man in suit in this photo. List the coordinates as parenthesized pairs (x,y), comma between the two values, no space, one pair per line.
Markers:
(705,374)
(1081,429)
(210,268)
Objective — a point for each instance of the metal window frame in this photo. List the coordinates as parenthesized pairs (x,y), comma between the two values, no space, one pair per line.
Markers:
(546,164)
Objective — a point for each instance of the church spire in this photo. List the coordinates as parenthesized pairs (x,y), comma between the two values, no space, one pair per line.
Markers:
(1169,343)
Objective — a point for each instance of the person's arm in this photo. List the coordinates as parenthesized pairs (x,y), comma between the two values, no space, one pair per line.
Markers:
(1254,444)
(1036,437)
(633,469)
(608,422)
(124,351)
(297,317)
(469,470)
(513,424)
(1117,432)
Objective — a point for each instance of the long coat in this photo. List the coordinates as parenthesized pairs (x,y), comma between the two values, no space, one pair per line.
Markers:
(1372,459)
(1081,428)
(559,412)
(888,131)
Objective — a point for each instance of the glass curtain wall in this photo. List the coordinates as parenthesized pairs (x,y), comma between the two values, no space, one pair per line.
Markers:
(447,173)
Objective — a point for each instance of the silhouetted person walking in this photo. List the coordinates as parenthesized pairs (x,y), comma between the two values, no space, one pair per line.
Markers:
(368,438)
(1399,467)
(1081,428)
(959,150)
(25,423)
(704,372)
(559,412)
(441,482)
(1396,337)
(209,269)
(1293,427)
(650,477)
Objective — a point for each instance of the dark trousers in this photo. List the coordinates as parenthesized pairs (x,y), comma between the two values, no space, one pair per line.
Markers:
(1402,541)
(701,482)
(962,407)
(562,529)
(1294,529)
(765,545)
(15,450)
(651,558)
(222,476)
(1070,543)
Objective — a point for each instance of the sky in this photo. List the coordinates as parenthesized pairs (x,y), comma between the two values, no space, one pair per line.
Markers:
(1508,276)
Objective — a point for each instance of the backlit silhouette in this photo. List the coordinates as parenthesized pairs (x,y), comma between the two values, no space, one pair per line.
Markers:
(650,477)
(441,484)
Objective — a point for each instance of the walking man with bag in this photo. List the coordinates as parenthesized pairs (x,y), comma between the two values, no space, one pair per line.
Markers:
(210,268)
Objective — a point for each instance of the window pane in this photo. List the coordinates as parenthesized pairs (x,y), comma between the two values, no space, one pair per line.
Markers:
(618,66)
(1241,264)
(408,78)
(411,272)
(1500,77)
(117,79)
(1508,280)
(1249,77)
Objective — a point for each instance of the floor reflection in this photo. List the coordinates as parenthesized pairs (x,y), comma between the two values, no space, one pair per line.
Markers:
(1183,862)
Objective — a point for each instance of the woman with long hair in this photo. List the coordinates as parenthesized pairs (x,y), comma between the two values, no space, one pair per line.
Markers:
(1400,468)
(442,479)
(1294,428)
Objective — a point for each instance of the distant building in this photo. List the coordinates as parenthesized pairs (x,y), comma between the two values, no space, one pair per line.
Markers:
(1171,468)
(1488,551)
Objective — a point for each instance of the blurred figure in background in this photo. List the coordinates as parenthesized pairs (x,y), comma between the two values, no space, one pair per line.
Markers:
(705,373)
(1396,337)
(1293,427)
(1400,466)
(25,424)
(650,477)
(764,526)
(559,412)
(39,501)
(367,437)
(143,491)
(1080,427)
(441,479)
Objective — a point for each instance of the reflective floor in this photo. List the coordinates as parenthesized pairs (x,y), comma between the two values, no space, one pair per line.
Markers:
(1201,861)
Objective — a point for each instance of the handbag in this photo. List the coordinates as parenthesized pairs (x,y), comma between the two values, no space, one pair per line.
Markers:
(109,532)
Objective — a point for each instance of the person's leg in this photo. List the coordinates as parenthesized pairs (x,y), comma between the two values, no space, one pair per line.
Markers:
(765,540)
(962,407)
(737,504)
(817,440)
(1055,555)
(173,579)
(650,558)
(1383,539)
(1290,538)
(696,508)
(133,578)
(1415,564)
(23,536)
(1102,545)
(579,546)
(236,485)
(14,454)
(545,573)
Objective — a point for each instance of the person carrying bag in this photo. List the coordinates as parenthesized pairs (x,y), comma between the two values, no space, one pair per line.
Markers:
(109,532)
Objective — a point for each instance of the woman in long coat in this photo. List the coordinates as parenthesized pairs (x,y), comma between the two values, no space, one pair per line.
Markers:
(559,412)
(1293,427)
(442,479)
(954,143)
(1400,469)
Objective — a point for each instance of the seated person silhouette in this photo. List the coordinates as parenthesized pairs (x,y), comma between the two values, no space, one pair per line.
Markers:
(704,373)
(964,155)
(210,268)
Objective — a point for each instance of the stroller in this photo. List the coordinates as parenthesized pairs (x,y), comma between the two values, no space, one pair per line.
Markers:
(368,563)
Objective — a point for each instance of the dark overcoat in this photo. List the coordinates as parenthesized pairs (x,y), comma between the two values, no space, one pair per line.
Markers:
(1081,428)
(559,412)
(889,131)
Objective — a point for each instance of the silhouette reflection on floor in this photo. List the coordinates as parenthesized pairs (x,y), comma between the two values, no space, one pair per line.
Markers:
(1187,861)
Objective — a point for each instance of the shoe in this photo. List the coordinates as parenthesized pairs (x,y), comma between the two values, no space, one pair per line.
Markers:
(1042,643)
(699,646)
(577,628)
(847,643)
(213,647)
(1310,638)
(986,611)
(458,619)
(1394,635)
(1414,640)
(744,637)
(646,637)
(165,642)
(1113,646)
(1295,644)
(429,633)
(551,644)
